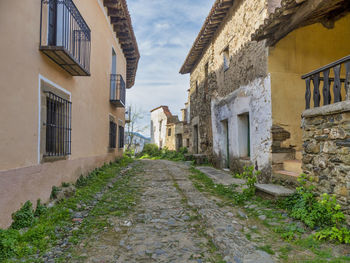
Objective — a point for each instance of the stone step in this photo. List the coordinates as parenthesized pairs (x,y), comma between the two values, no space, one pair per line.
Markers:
(293,166)
(274,190)
(287,176)
(221,177)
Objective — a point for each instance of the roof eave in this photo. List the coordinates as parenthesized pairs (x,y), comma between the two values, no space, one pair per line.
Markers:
(121,21)
(216,16)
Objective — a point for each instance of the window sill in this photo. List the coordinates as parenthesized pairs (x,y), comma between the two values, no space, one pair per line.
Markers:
(51,159)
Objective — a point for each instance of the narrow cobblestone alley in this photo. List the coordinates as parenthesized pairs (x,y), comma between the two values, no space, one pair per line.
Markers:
(173,222)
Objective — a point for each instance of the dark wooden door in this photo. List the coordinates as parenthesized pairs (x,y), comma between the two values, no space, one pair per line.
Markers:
(52,23)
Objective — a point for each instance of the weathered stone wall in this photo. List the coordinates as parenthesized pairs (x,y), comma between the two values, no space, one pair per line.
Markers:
(170,139)
(326,155)
(246,65)
(248,61)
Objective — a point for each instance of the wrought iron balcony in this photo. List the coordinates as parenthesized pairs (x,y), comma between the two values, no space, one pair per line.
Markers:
(117,90)
(340,79)
(65,37)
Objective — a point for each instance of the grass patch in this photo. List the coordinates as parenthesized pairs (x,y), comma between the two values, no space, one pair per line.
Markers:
(51,225)
(267,249)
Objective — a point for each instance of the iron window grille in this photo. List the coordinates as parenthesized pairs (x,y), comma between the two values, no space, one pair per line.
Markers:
(58,126)
(118,90)
(121,137)
(65,37)
(112,135)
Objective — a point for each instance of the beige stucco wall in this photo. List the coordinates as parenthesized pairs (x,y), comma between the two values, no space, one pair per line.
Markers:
(302,51)
(20,66)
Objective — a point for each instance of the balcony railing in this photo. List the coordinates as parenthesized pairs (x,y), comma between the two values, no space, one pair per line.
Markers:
(117,90)
(336,74)
(65,37)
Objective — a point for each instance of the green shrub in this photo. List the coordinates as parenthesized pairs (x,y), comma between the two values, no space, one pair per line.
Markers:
(23,217)
(65,184)
(40,209)
(54,192)
(323,212)
(250,175)
(333,233)
(183,150)
(151,150)
(8,243)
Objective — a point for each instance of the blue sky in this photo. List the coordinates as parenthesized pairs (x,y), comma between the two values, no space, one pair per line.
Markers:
(165,31)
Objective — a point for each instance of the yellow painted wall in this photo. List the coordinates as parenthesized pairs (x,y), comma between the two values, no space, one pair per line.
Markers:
(22,62)
(22,178)
(302,51)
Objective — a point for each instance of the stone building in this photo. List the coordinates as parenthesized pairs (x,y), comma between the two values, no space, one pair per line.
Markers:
(64,69)
(163,128)
(246,91)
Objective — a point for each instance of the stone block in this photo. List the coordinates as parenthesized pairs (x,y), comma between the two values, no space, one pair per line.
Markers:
(329,147)
(343,143)
(312,147)
(337,133)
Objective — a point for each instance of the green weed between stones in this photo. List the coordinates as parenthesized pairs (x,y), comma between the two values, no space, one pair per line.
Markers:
(33,232)
(205,184)
(200,228)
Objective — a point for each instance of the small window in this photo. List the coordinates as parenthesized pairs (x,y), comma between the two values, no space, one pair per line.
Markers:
(160,125)
(226,57)
(121,137)
(197,86)
(169,132)
(112,135)
(206,70)
(187,143)
(58,126)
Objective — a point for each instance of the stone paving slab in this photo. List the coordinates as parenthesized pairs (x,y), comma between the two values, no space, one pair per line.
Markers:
(275,190)
(222,177)
(219,176)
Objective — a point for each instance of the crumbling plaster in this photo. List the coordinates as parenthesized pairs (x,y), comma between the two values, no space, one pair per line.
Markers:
(255,99)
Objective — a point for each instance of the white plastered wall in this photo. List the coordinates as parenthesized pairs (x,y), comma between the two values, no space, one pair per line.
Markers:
(255,99)
(158,116)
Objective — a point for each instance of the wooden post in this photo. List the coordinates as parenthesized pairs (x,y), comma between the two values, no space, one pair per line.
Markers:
(317,97)
(347,80)
(337,84)
(326,90)
(308,93)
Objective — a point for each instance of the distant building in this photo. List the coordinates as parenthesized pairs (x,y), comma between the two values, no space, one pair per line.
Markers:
(162,132)
(136,141)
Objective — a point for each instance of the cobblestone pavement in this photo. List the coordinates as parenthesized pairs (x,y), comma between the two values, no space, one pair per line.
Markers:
(173,222)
